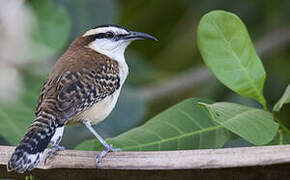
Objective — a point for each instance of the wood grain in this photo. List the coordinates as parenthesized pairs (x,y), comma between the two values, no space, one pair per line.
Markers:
(149,165)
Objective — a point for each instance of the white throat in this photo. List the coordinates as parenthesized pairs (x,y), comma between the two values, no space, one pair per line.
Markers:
(113,50)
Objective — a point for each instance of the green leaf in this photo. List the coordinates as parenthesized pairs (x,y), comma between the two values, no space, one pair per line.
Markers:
(254,125)
(283,100)
(183,126)
(227,50)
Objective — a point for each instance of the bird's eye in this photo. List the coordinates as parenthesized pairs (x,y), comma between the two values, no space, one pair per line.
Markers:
(110,34)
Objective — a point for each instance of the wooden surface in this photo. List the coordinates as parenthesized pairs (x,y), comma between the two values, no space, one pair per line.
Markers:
(268,162)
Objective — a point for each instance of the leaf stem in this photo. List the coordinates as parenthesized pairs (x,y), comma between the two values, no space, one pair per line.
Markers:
(263,102)
(283,127)
(280,137)
(202,104)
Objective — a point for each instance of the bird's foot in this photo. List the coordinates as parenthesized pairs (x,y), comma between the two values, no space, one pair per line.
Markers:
(111,149)
(53,150)
(106,148)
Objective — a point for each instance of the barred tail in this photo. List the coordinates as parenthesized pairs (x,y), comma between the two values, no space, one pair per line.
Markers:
(28,153)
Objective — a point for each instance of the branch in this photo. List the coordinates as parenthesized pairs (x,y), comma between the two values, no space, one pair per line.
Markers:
(73,164)
(196,76)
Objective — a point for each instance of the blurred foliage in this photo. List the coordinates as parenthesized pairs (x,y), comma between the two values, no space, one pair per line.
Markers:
(49,23)
(89,13)
(174,23)
(51,31)
(14,120)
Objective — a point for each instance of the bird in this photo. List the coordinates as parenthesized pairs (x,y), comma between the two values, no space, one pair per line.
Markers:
(82,88)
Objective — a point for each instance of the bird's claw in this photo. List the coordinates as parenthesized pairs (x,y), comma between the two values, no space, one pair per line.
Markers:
(53,150)
(111,149)
(106,148)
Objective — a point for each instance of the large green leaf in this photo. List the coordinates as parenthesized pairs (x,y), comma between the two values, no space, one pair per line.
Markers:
(183,126)
(254,125)
(283,100)
(227,50)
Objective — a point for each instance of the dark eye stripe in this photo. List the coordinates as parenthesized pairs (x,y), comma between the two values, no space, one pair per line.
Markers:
(104,35)
(97,36)
(119,36)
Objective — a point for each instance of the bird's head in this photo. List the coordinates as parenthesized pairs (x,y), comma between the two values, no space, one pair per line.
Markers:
(112,40)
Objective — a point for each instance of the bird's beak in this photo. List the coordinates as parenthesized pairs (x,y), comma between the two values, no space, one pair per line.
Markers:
(139,35)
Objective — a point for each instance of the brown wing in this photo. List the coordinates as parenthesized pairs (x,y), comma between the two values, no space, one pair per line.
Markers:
(79,88)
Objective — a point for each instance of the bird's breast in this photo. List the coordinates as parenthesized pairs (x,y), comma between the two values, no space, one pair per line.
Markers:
(98,112)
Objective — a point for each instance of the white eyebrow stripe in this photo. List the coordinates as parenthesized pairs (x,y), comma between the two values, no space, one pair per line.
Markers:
(105,29)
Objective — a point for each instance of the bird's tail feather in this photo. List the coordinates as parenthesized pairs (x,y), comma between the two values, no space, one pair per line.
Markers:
(28,153)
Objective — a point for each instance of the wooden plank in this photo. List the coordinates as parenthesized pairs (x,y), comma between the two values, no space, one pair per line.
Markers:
(201,163)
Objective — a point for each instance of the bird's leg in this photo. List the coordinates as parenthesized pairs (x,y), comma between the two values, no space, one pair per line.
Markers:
(54,142)
(53,150)
(106,147)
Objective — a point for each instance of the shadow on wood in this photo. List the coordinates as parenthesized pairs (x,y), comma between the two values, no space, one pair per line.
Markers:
(268,162)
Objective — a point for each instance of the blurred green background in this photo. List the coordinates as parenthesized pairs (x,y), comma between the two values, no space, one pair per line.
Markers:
(34,33)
